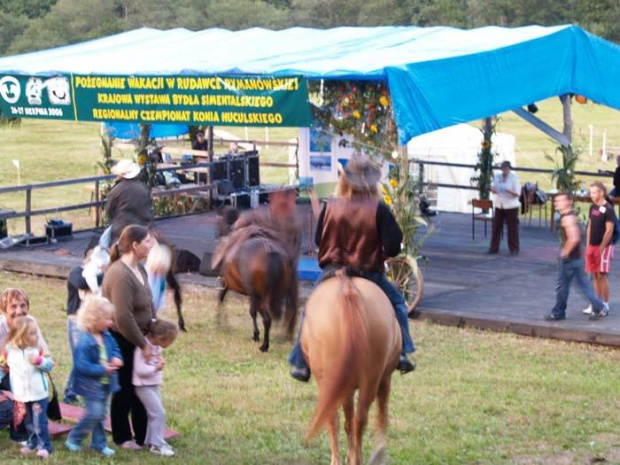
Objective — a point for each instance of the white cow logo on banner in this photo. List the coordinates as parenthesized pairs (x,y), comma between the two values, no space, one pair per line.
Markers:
(10,89)
(34,90)
(58,91)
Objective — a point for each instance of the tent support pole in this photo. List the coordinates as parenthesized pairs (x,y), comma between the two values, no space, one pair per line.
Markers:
(211,190)
(568,118)
(544,127)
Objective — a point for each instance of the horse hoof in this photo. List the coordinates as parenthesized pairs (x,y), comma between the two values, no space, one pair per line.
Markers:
(379,456)
(264,348)
(256,338)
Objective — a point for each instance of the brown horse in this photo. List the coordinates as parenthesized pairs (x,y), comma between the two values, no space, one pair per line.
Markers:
(260,270)
(352,342)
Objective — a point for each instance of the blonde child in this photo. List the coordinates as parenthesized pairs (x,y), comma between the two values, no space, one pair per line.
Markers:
(157,266)
(27,364)
(147,377)
(97,359)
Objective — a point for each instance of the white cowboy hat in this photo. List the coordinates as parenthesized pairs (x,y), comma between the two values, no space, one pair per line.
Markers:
(126,168)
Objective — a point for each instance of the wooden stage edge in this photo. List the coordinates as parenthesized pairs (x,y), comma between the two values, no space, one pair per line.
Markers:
(544,329)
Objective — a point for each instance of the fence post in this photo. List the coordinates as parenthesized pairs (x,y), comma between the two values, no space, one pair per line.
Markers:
(97,212)
(28,210)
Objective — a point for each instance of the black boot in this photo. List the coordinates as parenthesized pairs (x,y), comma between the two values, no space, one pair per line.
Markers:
(405,365)
(301,374)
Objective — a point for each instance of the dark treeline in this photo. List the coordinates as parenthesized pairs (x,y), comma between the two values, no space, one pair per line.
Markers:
(27,25)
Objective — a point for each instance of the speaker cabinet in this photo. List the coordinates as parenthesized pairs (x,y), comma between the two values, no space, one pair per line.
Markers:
(253,171)
(220,170)
(238,172)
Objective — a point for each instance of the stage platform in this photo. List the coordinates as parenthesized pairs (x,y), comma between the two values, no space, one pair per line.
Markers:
(463,285)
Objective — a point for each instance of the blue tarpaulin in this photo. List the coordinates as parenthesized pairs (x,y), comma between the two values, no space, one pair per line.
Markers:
(158,131)
(438,76)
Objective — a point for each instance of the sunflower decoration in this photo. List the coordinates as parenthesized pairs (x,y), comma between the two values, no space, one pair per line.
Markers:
(141,160)
(486,144)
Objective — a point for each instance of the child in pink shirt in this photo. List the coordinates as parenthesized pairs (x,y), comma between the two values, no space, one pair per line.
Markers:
(147,377)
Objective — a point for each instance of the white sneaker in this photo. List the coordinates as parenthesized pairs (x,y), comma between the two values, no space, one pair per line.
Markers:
(164,450)
(587,310)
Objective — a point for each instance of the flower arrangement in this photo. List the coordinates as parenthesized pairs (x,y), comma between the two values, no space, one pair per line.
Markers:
(484,168)
(361,109)
(401,194)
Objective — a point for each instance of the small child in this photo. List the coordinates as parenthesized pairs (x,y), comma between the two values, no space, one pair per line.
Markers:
(27,364)
(97,358)
(147,377)
(157,266)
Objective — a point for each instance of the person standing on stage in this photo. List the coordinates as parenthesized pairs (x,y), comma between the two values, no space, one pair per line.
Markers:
(600,250)
(506,188)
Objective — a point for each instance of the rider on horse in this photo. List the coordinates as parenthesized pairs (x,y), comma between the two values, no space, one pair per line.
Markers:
(358,232)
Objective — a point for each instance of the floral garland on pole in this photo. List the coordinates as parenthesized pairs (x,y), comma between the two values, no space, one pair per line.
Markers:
(362,110)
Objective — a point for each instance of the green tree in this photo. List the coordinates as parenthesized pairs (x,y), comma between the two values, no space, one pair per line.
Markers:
(29,8)
(68,21)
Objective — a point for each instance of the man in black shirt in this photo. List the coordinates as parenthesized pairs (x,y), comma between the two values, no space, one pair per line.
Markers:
(600,250)
(200,143)
(571,264)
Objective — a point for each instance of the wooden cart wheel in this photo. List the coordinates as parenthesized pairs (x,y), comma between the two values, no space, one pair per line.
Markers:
(405,273)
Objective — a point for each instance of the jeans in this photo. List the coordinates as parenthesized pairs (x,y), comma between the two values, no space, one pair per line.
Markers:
(73,334)
(296,357)
(93,419)
(36,425)
(567,270)
(6,413)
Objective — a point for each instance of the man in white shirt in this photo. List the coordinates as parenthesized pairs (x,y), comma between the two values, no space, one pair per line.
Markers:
(506,188)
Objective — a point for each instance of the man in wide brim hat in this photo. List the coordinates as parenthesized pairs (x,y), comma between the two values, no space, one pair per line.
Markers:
(129,201)
(126,169)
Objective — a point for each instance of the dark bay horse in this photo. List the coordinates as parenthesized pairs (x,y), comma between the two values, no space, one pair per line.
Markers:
(260,270)
(352,342)
(257,257)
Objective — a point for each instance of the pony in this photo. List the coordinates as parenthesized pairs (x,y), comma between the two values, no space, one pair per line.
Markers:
(352,342)
(260,270)
(259,259)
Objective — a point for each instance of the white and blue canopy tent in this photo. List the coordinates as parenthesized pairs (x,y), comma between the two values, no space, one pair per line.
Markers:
(437,76)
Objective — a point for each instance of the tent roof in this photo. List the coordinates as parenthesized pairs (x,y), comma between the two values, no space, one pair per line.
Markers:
(438,76)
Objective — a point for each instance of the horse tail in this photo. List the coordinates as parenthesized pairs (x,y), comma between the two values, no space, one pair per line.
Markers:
(354,347)
(171,279)
(275,274)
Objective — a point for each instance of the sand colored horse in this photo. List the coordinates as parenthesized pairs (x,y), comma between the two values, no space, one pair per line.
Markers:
(352,342)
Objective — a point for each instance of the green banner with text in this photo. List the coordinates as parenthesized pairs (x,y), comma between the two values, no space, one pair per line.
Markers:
(198,100)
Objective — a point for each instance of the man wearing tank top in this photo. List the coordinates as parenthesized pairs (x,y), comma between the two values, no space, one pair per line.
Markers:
(570,264)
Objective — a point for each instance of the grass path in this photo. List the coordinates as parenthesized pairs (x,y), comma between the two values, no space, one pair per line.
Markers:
(477,397)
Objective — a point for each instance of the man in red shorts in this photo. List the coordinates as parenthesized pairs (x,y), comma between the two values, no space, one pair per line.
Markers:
(600,250)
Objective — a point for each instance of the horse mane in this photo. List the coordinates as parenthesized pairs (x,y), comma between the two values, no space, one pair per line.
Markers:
(340,378)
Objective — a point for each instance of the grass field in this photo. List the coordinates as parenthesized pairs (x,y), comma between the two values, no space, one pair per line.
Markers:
(476,398)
